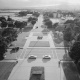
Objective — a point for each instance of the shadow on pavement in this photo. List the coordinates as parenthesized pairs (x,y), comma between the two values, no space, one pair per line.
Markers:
(45,60)
(12,51)
(30,60)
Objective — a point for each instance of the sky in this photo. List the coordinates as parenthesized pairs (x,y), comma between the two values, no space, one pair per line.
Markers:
(37,3)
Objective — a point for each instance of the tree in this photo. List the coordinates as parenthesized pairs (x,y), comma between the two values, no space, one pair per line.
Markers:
(74,52)
(22,13)
(30,19)
(33,22)
(69,21)
(46,19)
(19,24)
(2,18)
(36,14)
(77,38)
(68,37)
(9,19)
(34,19)
(48,23)
(3,24)
(55,25)
(9,34)
(10,24)
(6,37)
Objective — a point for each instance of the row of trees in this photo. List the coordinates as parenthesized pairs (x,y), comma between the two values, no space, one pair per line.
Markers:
(12,23)
(32,20)
(71,30)
(49,23)
(71,36)
(24,13)
(16,24)
(9,32)
(7,36)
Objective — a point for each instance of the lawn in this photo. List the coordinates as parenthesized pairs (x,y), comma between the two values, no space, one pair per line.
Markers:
(27,29)
(70,71)
(19,43)
(40,52)
(12,55)
(20,40)
(39,44)
(5,69)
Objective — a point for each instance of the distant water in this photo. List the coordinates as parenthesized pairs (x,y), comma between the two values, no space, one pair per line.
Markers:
(8,12)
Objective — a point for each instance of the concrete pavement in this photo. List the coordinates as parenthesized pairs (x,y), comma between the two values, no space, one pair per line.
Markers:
(22,70)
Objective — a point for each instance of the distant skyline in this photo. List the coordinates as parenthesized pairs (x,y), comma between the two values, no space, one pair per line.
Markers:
(72,4)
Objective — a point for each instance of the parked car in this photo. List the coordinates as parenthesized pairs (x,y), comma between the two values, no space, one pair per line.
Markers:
(15,49)
(36,27)
(39,37)
(32,57)
(46,57)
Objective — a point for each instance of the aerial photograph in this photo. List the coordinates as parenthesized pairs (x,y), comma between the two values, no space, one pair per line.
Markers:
(39,39)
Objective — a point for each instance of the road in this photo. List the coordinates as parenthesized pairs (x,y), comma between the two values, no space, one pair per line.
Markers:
(42,47)
(39,22)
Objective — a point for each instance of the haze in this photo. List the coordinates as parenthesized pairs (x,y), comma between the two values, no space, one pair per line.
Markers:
(75,4)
